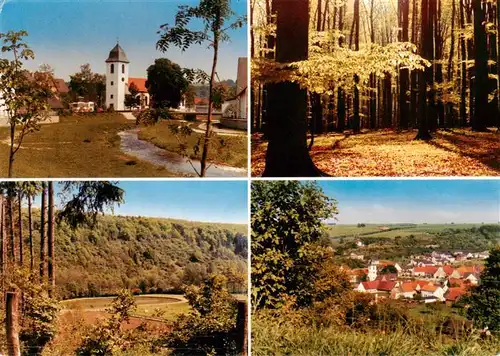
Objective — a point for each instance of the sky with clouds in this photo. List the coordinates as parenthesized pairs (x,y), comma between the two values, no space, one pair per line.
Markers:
(69,33)
(415,201)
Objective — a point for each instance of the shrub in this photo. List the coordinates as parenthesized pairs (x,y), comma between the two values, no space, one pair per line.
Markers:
(107,338)
(190,117)
(209,327)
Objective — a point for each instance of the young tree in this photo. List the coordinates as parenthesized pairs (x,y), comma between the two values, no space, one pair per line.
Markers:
(25,94)
(214,14)
(166,83)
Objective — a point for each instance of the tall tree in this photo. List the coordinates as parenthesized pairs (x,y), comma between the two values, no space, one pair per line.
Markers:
(214,14)
(426,76)
(356,122)
(481,68)
(404,79)
(287,152)
(484,308)
(88,85)
(43,244)
(50,241)
(166,83)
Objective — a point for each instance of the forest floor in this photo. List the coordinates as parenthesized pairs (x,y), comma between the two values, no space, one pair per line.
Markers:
(77,146)
(457,152)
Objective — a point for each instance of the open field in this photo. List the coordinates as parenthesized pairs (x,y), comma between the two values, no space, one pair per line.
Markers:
(77,146)
(455,152)
(392,230)
(147,306)
(233,153)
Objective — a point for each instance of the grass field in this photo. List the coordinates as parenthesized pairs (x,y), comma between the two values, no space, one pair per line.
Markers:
(77,146)
(234,153)
(457,152)
(392,230)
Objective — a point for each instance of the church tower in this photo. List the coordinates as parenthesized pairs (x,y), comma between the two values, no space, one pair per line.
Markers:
(372,271)
(116,78)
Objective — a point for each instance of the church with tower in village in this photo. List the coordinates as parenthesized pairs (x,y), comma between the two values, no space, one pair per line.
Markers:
(118,81)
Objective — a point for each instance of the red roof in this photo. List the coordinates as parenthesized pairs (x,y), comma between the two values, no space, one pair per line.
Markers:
(386,286)
(61,86)
(201,101)
(429,287)
(455,293)
(448,269)
(140,84)
(425,269)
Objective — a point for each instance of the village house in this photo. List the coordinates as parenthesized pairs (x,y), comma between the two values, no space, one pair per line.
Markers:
(379,288)
(143,94)
(453,294)
(432,293)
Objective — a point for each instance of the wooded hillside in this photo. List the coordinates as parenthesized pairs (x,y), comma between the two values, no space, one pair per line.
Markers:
(146,254)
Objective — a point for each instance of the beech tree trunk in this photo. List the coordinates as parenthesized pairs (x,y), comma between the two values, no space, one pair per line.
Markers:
(404,74)
(426,76)
(287,154)
(481,69)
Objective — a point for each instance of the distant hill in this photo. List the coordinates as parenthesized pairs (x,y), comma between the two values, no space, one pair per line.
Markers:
(397,241)
(153,254)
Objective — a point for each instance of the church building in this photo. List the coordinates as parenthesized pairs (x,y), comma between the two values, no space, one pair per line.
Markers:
(118,81)
(116,78)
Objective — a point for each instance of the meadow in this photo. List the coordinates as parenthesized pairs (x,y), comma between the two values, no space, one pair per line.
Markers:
(77,146)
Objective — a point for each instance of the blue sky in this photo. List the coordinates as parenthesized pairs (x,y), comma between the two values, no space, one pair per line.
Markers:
(69,33)
(415,201)
(210,201)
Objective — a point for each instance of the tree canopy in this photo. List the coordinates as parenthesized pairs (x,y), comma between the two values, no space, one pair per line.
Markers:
(166,83)
(286,224)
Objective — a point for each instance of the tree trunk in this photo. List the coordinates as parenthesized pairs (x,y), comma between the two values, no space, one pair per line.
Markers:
(20,228)
(463,71)
(12,324)
(30,228)
(11,226)
(3,245)
(11,148)
(287,154)
(404,74)
(50,241)
(451,72)
(481,69)
(427,75)
(42,231)
(356,124)
(208,130)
